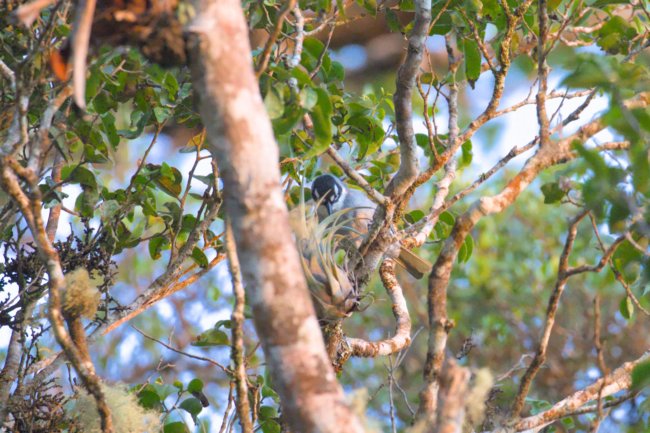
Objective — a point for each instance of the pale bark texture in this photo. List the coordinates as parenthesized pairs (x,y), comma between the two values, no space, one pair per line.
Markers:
(242,142)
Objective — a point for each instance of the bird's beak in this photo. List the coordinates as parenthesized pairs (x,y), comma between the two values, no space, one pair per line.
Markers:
(328,206)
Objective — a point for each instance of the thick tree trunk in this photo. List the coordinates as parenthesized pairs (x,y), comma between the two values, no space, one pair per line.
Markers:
(242,141)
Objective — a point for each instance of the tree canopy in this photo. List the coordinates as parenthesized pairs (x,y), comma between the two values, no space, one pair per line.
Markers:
(150,151)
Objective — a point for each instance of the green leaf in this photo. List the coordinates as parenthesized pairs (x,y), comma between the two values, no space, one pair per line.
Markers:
(171,85)
(414,216)
(176,427)
(447,218)
(193,406)
(321,117)
(80,175)
(588,72)
(392,21)
(467,154)
(269,392)
(167,179)
(148,398)
(552,192)
(274,103)
(626,308)
(368,132)
(641,375)
(108,209)
(308,98)
(195,385)
(162,113)
(156,245)
(226,323)
(444,23)
(102,103)
(568,423)
(473,7)
(469,247)
(163,390)
(268,412)
(108,126)
(313,47)
(472,60)
(199,257)
(271,426)
(211,337)
(602,3)
(615,35)
(86,202)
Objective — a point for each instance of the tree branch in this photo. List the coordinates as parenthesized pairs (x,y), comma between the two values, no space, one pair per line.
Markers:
(263,61)
(620,379)
(402,338)
(408,169)
(237,319)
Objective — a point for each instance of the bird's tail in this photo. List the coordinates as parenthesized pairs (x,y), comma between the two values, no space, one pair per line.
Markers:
(414,264)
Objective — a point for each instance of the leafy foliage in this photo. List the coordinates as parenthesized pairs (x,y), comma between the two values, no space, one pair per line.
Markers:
(140,193)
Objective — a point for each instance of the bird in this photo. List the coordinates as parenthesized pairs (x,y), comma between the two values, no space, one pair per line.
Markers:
(334,197)
(335,295)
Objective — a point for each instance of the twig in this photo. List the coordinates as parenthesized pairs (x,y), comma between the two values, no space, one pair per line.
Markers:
(180,352)
(542,74)
(8,74)
(628,290)
(263,61)
(237,319)
(321,57)
(224,423)
(376,196)
(604,371)
(293,61)
(391,382)
(563,275)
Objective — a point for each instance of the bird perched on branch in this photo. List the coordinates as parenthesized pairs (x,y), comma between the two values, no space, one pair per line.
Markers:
(335,295)
(334,197)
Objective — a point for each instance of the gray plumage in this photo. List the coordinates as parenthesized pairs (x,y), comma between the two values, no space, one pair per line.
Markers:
(333,197)
(335,296)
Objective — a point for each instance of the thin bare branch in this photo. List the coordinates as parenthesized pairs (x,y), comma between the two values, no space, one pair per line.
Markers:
(237,319)
(620,379)
(356,177)
(180,352)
